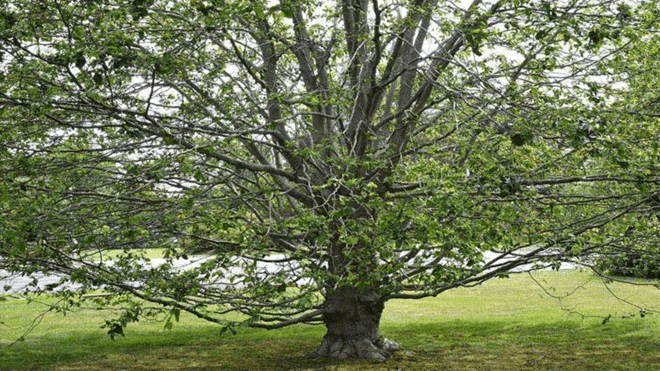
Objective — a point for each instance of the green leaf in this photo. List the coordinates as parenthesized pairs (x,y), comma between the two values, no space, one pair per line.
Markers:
(606,319)
(287,8)
(259,10)
(98,79)
(519,139)
(227,328)
(115,329)
(80,60)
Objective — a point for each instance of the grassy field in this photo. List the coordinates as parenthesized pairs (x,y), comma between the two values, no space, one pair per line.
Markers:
(505,324)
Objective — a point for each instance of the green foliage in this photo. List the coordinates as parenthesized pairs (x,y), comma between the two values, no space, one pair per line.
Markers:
(633,264)
(397,150)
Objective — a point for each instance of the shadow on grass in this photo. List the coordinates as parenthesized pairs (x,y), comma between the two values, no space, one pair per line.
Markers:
(516,345)
(451,345)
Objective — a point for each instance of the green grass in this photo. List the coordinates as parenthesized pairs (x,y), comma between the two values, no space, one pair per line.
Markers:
(505,324)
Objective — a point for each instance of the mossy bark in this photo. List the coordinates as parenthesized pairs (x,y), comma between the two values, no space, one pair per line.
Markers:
(352,321)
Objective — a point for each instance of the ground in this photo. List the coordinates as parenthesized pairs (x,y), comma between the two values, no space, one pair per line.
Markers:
(506,324)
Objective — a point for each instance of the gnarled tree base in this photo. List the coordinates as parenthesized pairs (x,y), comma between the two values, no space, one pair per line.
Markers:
(334,347)
(351,318)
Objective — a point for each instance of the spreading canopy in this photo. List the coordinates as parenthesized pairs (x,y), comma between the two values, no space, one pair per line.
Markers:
(299,149)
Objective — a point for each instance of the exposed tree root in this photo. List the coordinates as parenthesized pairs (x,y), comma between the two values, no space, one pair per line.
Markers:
(363,348)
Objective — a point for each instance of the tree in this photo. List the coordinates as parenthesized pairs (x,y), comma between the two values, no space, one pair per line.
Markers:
(325,156)
(641,108)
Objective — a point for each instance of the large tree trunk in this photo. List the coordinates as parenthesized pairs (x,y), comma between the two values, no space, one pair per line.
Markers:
(352,320)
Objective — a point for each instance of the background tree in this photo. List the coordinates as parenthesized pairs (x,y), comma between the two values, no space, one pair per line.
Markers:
(635,150)
(326,156)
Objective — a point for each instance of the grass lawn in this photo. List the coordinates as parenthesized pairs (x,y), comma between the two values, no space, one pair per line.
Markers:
(505,324)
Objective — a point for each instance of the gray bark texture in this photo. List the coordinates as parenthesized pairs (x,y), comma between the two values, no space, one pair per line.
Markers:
(352,321)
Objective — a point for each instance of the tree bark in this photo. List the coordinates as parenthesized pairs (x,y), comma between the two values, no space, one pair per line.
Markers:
(352,320)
